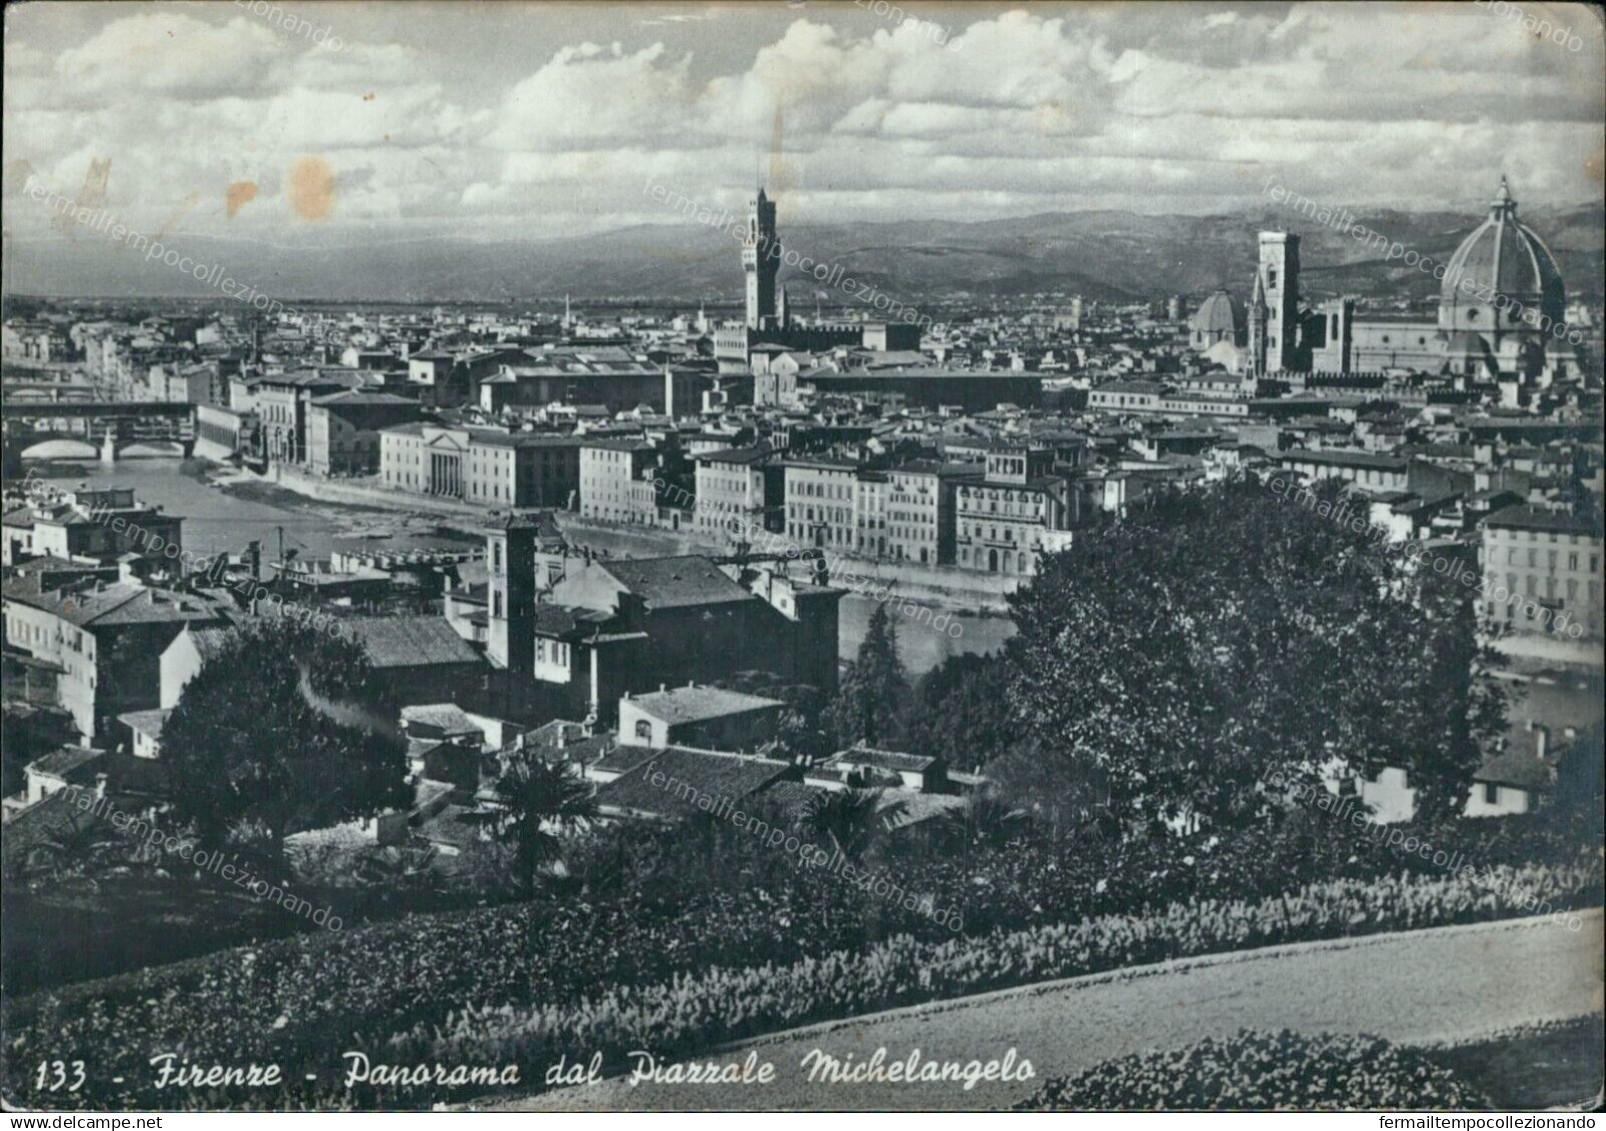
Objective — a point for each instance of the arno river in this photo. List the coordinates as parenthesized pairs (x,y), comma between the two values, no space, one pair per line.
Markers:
(218,521)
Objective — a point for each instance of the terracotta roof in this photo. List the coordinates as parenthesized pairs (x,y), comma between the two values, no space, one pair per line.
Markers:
(694,781)
(410,641)
(694,704)
(66,760)
(667,583)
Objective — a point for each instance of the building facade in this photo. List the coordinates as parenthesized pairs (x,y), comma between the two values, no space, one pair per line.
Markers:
(1542,572)
(1014,514)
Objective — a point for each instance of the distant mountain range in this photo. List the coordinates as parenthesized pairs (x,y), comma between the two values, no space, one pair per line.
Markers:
(1101,255)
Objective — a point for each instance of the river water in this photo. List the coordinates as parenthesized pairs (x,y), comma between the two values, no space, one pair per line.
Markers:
(219,522)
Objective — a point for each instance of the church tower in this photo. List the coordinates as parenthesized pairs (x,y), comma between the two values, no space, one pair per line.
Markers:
(760,262)
(1274,307)
(510,576)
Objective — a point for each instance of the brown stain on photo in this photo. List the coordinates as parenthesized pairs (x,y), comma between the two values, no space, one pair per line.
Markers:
(1595,165)
(176,217)
(239,194)
(312,188)
(369,97)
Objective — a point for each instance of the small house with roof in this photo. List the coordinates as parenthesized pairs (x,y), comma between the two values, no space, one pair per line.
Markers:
(701,716)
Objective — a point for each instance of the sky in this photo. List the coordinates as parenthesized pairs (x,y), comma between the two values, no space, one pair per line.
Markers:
(288,122)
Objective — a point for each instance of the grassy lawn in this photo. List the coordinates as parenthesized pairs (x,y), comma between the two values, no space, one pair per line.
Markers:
(1554,1065)
(70,935)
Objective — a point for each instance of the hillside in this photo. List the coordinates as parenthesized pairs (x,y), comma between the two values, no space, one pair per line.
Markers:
(1101,255)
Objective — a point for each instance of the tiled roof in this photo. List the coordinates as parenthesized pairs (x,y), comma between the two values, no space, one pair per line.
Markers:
(1345,459)
(622,759)
(689,777)
(410,641)
(693,704)
(145,722)
(448,718)
(1533,518)
(209,642)
(564,622)
(119,604)
(793,797)
(357,398)
(667,583)
(60,763)
(1519,769)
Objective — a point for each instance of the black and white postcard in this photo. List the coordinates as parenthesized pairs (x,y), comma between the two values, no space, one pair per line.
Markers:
(802,556)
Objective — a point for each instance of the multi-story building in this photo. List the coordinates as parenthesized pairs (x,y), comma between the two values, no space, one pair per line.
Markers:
(738,490)
(611,472)
(103,642)
(920,511)
(615,626)
(481,465)
(1542,572)
(820,497)
(189,383)
(608,376)
(1366,470)
(870,513)
(282,402)
(343,430)
(101,523)
(1018,511)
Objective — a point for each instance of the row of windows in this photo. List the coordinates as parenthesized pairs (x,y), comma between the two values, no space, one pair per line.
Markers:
(1552,559)
(552,651)
(991,534)
(1499,533)
(813,490)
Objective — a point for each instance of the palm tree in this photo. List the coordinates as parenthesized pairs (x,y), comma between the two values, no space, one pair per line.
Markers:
(79,848)
(986,819)
(852,819)
(542,800)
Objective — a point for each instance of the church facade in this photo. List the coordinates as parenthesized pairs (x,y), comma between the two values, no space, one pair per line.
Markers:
(1500,316)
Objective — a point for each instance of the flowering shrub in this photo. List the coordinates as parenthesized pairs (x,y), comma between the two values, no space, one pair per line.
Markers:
(521,984)
(1255,1071)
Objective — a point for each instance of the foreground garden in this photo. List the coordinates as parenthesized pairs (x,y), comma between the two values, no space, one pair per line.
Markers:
(675,960)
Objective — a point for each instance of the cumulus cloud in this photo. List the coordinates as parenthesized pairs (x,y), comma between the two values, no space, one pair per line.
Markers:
(1156,107)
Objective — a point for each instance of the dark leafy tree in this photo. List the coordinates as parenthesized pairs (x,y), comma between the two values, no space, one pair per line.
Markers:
(986,820)
(1175,659)
(961,712)
(80,848)
(801,731)
(854,820)
(542,801)
(1578,774)
(874,688)
(286,730)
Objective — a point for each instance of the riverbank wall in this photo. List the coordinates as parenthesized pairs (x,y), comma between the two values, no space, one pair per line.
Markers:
(942,587)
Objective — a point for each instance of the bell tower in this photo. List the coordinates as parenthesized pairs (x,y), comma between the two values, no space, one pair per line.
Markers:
(760,261)
(1274,307)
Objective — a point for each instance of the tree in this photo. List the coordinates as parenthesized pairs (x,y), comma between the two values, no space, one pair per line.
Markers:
(870,700)
(286,730)
(1176,658)
(77,847)
(986,820)
(800,731)
(852,819)
(538,796)
(961,711)
(1578,774)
